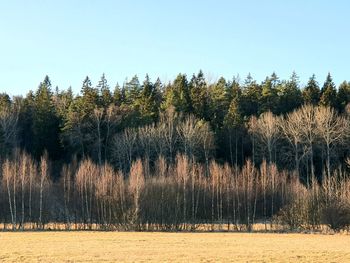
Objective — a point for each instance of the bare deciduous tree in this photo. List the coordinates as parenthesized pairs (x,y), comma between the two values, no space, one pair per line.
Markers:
(267,132)
(136,183)
(44,180)
(168,122)
(331,128)
(9,179)
(308,128)
(290,125)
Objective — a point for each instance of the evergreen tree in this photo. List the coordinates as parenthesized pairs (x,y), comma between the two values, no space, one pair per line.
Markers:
(105,93)
(149,106)
(5,101)
(132,92)
(328,93)
(251,97)
(78,128)
(5,107)
(62,101)
(26,123)
(90,98)
(199,96)
(233,125)
(118,95)
(269,99)
(45,122)
(159,89)
(290,96)
(178,95)
(219,103)
(343,96)
(234,117)
(312,93)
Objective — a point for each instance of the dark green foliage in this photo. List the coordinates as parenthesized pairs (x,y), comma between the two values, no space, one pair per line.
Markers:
(290,96)
(106,96)
(343,96)
(178,95)
(251,97)
(312,92)
(269,98)
(328,93)
(219,103)
(65,124)
(89,99)
(26,123)
(45,122)
(199,96)
(132,91)
(149,101)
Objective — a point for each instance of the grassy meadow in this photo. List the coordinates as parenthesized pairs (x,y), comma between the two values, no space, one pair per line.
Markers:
(172,247)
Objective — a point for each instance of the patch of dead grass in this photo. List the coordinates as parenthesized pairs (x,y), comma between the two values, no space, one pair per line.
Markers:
(172,247)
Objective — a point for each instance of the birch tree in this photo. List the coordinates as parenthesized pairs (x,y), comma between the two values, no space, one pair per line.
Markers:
(136,183)
(331,128)
(267,132)
(44,167)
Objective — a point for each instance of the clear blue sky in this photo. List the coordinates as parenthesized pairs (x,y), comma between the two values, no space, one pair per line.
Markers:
(69,39)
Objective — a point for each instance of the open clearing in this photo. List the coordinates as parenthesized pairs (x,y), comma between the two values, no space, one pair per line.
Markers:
(172,247)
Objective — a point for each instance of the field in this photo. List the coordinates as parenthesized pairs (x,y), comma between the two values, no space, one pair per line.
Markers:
(172,247)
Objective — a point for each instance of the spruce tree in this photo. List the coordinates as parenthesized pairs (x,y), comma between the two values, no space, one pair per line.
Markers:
(251,97)
(45,122)
(106,97)
(269,99)
(148,102)
(199,96)
(328,93)
(219,103)
(290,96)
(312,92)
(178,95)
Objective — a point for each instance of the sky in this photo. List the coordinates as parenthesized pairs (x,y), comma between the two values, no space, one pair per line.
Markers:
(70,39)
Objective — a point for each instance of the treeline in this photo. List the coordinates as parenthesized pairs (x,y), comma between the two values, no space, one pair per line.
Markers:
(105,159)
(88,124)
(182,196)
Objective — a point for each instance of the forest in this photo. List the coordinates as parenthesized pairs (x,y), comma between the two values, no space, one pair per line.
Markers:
(178,156)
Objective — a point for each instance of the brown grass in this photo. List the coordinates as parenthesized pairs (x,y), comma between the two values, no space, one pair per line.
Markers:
(172,247)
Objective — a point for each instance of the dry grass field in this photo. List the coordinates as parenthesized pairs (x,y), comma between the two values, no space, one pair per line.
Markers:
(172,247)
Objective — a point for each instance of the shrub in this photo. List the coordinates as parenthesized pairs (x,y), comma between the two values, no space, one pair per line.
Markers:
(336,214)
